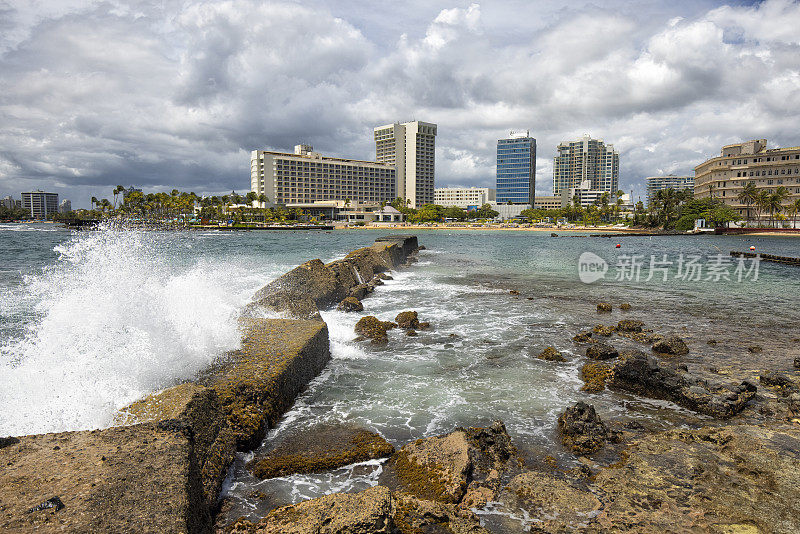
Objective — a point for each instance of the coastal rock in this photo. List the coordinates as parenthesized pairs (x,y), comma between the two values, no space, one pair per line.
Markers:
(465,464)
(630,325)
(755,349)
(350,304)
(625,306)
(293,305)
(513,292)
(671,345)
(361,290)
(775,379)
(424,325)
(583,337)
(313,280)
(551,355)
(370,327)
(384,276)
(320,449)
(739,478)
(645,375)
(407,320)
(413,515)
(797,363)
(712,342)
(603,330)
(601,351)
(581,429)
(594,376)
(366,512)
(604,307)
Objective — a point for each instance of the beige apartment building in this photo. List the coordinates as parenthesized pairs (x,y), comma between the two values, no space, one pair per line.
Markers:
(463,197)
(410,148)
(724,176)
(307,177)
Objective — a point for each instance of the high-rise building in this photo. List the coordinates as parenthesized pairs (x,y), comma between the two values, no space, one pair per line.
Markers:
(516,169)
(8,202)
(724,176)
(307,177)
(40,204)
(65,206)
(586,159)
(660,183)
(463,197)
(410,148)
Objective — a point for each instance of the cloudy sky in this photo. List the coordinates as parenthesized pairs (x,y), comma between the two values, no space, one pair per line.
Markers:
(176,93)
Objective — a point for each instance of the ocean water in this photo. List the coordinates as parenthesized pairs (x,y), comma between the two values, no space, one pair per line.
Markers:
(91,321)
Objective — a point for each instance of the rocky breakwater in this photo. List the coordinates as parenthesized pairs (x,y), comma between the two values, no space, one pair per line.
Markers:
(162,469)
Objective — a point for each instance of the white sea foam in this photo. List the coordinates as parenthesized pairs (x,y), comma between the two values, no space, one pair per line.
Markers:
(122,314)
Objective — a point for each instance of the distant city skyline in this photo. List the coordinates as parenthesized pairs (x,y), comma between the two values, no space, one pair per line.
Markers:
(177,95)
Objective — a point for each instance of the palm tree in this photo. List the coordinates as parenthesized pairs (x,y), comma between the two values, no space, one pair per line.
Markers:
(95,202)
(762,202)
(792,210)
(775,203)
(748,196)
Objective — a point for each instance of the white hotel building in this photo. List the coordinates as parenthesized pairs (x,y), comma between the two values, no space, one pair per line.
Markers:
(463,197)
(410,147)
(307,177)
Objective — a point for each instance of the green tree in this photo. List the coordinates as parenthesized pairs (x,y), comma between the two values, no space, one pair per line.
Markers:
(748,196)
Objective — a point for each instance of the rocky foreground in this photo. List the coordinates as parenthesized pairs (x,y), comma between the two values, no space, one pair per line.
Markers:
(162,469)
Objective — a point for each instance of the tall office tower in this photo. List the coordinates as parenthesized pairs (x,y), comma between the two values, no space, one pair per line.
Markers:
(516,169)
(410,148)
(40,204)
(586,159)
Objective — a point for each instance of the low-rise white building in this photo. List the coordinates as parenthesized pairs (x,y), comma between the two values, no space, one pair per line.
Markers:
(549,203)
(463,197)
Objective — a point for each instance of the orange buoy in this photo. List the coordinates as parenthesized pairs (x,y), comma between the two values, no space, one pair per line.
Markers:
(752,248)
(618,245)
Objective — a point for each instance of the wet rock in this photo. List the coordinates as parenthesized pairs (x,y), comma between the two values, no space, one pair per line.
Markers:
(797,363)
(712,342)
(424,325)
(601,351)
(413,515)
(583,337)
(673,345)
(407,320)
(603,330)
(7,442)
(755,349)
(551,355)
(367,512)
(625,306)
(53,502)
(553,234)
(320,449)
(370,327)
(630,325)
(465,464)
(604,307)
(361,290)
(581,429)
(740,478)
(594,376)
(513,292)
(350,304)
(422,247)
(411,333)
(557,504)
(775,379)
(645,375)
(294,305)
(384,276)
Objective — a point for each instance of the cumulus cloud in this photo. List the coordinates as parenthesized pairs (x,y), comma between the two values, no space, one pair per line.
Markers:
(176,94)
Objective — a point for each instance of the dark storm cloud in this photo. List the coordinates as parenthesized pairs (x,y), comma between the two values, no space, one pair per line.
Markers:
(176,94)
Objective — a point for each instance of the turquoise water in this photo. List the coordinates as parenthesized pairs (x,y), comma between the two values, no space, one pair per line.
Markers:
(92,321)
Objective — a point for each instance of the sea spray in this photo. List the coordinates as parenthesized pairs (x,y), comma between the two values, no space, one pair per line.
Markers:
(120,314)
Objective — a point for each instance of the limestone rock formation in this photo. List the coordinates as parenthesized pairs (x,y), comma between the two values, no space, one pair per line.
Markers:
(581,429)
(551,355)
(604,307)
(601,351)
(370,327)
(671,345)
(407,320)
(350,304)
(630,325)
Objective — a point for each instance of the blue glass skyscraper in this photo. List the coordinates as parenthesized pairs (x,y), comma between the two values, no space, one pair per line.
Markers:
(516,169)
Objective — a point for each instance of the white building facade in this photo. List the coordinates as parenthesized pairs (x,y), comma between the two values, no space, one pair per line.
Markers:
(586,159)
(660,183)
(40,204)
(306,177)
(463,197)
(410,148)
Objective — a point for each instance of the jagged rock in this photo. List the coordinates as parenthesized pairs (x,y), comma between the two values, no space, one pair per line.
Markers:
(736,479)
(712,342)
(320,449)
(645,375)
(465,464)
(581,429)
(361,290)
(350,304)
(513,292)
(630,325)
(625,306)
(411,333)
(604,307)
(603,330)
(553,234)
(594,376)
(551,355)
(413,515)
(601,351)
(370,327)
(583,337)
(775,379)
(384,276)
(424,325)
(755,349)
(671,345)
(797,363)
(407,320)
